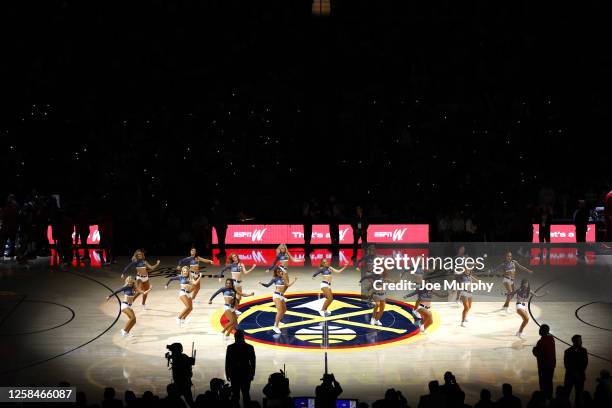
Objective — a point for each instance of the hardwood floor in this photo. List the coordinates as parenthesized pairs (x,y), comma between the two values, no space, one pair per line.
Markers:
(58,325)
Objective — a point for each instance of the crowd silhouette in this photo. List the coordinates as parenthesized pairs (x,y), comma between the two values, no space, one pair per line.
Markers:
(240,370)
(278,395)
(24,226)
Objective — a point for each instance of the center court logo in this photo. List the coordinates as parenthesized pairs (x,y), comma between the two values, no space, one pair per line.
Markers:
(348,327)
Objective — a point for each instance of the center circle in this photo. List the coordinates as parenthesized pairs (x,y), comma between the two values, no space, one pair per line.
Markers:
(348,326)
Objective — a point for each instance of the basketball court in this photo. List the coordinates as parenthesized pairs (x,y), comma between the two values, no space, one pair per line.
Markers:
(57,324)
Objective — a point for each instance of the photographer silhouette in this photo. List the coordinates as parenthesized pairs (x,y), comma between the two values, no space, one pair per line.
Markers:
(277,391)
(328,392)
(181,364)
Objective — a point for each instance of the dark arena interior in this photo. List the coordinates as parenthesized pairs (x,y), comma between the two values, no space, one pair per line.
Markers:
(305,203)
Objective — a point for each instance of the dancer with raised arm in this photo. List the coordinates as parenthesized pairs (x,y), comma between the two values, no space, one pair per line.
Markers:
(465,295)
(130,293)
(187,282)
(281,283)
(230,293)
(424,299)
(193,261)
(508,268)
(283,256)
(522,298)
(142,273)
(237,268)
(326,271)
(377,296)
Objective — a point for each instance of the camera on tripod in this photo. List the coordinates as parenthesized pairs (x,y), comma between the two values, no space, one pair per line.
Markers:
(176,353)
(175,348)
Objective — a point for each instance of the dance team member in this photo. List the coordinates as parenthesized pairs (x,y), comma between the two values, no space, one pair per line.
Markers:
(326,270)
(130,293)
(466,294)
(193,261)
(281,283)
(458,277)
(424,298)
(230,293)
(187,282)
(419,277)
(509,274)
(522,297)
(378,297)
(142,275)
(367,260)
(237,268)
(282,258)
(365,266)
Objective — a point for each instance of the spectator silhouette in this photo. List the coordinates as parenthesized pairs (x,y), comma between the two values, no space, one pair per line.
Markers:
(216,396)
(603,390)
(9,225)
(561,399)
(608,217)
(81,399)
(435,398)
(587,399)
(581,221)
(359,223)
(130,399)
(240,368)
(107,238)
(575,360)
(459,401)
(328,392)
(109,400)
(538,400)
(148,399)
(173,399)
(450,389)
(508,400)
(64,238)
(219,218)
(544,218)
(393,399)
(82,231)
(485,399)
(277,391)
(307,223)
(545,355)
(333,215)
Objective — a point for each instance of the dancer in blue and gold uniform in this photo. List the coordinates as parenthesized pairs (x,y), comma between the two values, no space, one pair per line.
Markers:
(522,298)
(230,294)
(142,273)
(193,261)
(326,271)
(187,282)
(283,256)
(237,268)
(130,293)
(423,309)
(508,268)
(281,284)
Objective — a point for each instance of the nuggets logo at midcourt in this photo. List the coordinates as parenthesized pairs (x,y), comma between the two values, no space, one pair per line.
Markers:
(347,328)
